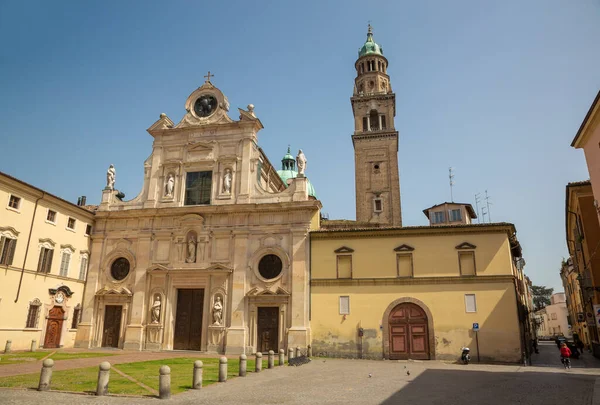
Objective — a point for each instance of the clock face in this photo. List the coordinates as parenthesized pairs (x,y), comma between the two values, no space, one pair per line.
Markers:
(205,105)
(60,297)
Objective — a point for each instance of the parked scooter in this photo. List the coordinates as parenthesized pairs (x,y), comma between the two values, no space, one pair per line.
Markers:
(465,356)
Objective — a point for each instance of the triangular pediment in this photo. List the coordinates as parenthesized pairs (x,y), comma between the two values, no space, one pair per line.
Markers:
(157,267)
(163,122)
(404,248)
(344,249)
(220,268)
(466,245)
(114,291)
(201,146)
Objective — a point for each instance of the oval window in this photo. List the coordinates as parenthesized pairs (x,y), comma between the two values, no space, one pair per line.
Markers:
(119,269)
(270,266)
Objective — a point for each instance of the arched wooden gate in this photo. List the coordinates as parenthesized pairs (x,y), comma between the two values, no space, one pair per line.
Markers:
(408,332)
(54,328)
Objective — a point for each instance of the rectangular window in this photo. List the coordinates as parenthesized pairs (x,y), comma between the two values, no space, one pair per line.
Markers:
(14,202)
(45,261)
(64,264)
(51,217)
(455,215)
(88,230)
(76,316)
(71,223)
(344,305)
(198,186)
(365,124)
(470,303)
(383,126)
(405,264)
(83,268)
(7,250)
(344,266)
(439,217)
(466,263)
(377,205)
(32,316)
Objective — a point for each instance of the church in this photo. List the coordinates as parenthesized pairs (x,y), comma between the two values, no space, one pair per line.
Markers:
(224,253)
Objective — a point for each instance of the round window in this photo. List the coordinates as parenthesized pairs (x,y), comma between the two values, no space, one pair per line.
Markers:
(270,266)
(120,268)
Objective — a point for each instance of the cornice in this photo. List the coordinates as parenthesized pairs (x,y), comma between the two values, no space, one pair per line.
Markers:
(366,282)
(412,231)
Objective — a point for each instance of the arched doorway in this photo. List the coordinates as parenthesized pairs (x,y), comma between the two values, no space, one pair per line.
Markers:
(408,332)
(54,328)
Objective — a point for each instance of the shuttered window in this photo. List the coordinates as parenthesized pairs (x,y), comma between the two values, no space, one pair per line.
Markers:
(470,303)
(7,250)
(344,266)
(32,315)
(83,267)
(76,316)
(344,305)
(64,264)
(405,265)
(467,263)
(45,260)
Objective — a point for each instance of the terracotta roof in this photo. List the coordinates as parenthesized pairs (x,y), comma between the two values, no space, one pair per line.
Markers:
(85,208)
(468,206)
(579,183)
(375,227)
(585,120)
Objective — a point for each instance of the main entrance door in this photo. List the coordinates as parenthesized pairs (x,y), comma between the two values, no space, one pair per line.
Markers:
(54,327)
(112,325)
(267,329)
(188,321)
(409,336)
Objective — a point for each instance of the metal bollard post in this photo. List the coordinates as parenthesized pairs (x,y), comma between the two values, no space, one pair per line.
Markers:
(197,381)
(164,382)
(243,365)
(7,347)
(271,360)
(309,351)
(258,365)
(103,378)
(223,369)
(281,357)
(298,353)
(290,354)
(46,375)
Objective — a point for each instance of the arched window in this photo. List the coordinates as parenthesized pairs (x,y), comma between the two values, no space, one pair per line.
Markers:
(374,120)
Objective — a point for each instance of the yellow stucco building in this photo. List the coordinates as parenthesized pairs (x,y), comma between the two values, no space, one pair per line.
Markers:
(44,255)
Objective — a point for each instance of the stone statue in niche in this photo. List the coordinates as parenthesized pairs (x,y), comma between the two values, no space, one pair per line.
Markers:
(227,181)
(301,162)
(218,311)
(191,249)
(111,175)
(169,185)
(156,309)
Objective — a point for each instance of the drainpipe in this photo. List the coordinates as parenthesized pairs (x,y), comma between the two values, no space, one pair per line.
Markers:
(27,248)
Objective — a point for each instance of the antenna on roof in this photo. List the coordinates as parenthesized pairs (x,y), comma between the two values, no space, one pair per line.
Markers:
(451,177)
(483,214)
(487,201)
(477,201)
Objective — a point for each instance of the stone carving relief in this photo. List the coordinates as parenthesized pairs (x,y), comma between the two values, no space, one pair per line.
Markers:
(227,177)
(111,175)
(301,162)
(169,185)
(192,243)
(217,311)
(156,307)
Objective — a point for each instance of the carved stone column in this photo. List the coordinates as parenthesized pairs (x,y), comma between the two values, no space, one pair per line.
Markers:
(299,332)
(237,329)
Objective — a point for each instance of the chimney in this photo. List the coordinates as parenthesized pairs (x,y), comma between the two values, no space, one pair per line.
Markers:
(79,201)
(83,199)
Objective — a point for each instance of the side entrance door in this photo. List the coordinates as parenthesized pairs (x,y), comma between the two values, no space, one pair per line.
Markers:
(112,325)
(54,328)
(409,338)
(267,329)
(188,320)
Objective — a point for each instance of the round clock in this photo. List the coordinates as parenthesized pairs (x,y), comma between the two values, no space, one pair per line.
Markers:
(205,105)
(60,297)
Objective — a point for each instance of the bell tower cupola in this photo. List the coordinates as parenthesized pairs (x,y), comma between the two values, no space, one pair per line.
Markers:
(375,138)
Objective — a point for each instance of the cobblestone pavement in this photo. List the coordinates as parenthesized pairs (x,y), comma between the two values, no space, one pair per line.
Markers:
(329,381)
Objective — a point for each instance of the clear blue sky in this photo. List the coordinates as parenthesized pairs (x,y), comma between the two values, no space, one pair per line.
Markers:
(496,89)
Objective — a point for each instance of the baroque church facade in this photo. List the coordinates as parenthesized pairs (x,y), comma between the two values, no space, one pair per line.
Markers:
(212,254)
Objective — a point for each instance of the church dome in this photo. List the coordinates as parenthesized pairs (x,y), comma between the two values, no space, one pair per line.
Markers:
(370,47)
(288,171)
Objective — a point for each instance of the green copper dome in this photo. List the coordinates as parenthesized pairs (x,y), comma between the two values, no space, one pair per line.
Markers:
(288,171)
(370,47)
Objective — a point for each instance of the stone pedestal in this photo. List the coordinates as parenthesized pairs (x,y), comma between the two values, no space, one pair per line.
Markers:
(298,337)
(154,333)
(236,340)
(133,337)
(216,337)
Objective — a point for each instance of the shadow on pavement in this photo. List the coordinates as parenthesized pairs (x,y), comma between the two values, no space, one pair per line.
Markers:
(443,387)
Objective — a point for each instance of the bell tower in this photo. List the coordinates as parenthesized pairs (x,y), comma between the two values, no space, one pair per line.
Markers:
(375,138)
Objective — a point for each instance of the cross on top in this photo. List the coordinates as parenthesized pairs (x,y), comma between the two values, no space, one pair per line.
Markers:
(208,76)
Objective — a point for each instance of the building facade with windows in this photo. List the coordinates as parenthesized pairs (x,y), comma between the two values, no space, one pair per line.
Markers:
(212,255)
(552,320)
(44,256)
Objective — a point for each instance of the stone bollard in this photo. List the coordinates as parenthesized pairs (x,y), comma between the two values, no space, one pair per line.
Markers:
(46,375)
(243,365)
(197,382)
(271,360)
(281,357)
(258,365)
(103,378)
(164,382)
(298,353)
(309,351)
(223,369)
(33,345)
(7,347)
(290,354)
